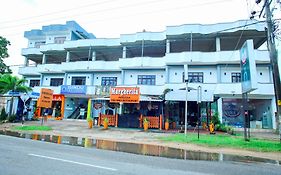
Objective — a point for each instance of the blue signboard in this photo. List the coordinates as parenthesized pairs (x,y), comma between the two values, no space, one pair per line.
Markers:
(73,89)
(248,67)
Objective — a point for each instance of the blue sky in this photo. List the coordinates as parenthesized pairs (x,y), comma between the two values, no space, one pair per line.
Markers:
(110,18)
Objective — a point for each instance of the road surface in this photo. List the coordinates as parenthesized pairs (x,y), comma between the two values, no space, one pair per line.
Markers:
(23,156)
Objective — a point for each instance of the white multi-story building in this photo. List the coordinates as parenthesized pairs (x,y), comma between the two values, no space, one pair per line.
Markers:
(79,67)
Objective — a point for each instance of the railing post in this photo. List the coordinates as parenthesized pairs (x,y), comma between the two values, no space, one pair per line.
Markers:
(116,120)
(99,119)
(160,118)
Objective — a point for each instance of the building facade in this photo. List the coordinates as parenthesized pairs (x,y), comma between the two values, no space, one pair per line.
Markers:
(203,58)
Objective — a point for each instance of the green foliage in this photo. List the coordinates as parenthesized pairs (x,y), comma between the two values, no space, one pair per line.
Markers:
(12,118)
(3,115)
(105,119)
(224,128)
(145,120)
(4,54)
(227,141)
(9,82)
(215,119)
(33,128)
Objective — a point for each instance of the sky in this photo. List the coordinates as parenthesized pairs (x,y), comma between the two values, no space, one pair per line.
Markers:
(110,18)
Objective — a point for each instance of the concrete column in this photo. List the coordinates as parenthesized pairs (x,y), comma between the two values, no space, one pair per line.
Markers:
(94,56)
(218,44)
(218,74)
(273,110)
(25,61)
(185,67)
(167,75)
(167,46)
(220,108)
(41,80)
(122,77)
(270,74)
(44,59)
(65,79)
(120,109)
(124,55)
(67,59)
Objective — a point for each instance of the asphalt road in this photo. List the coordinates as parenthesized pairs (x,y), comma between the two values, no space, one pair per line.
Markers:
(23,156)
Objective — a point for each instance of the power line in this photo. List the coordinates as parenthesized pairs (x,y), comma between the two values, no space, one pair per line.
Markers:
(120,7)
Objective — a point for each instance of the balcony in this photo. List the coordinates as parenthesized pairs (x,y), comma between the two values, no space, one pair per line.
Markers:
(228,57)
(141,63)
(31,51)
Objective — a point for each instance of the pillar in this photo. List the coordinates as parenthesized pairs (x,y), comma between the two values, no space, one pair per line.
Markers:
(167,46)
(124,55)
(167,75)
(44,59)
(67,59)
(218,74)
(270,74)
(65,79)
(273,110)
(94,56)
(41,80)
(218,44)
(122,77)
(25,61)
(220,108)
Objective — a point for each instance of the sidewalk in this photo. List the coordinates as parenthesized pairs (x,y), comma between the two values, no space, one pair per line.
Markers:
(79,128)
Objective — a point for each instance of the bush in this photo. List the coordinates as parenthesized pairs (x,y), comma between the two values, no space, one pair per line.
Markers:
(215,119)
(224,128)
(3,115)
(12,118)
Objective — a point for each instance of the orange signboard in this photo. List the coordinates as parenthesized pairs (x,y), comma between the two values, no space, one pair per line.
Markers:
(124,94)
(46,98)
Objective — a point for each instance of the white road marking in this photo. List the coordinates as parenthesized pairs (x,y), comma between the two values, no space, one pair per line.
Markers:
(70,161)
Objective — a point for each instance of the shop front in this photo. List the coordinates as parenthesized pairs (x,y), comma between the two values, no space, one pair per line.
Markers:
(130,106)
(259,111)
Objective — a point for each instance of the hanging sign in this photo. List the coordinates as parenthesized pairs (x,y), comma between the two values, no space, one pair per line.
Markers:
(46,98)
(124,94)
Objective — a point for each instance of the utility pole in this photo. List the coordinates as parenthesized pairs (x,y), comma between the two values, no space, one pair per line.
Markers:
(274,62)
(273,55)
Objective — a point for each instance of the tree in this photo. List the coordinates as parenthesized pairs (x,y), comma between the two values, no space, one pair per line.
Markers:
(4,43)
(13,84)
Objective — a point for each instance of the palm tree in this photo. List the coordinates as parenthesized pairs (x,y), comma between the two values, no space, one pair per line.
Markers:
(13,84)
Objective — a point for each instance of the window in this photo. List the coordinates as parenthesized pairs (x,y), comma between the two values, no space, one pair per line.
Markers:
(195,77)
(59,40)
(146,79)
(109,81)
(78,81)
(39,43)
(235,77)
(56,81)
(33,83)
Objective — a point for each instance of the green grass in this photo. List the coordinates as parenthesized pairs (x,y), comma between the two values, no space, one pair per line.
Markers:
(33,128)
(227,141)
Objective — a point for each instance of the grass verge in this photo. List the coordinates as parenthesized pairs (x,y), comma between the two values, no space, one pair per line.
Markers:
(32,128)
(226,141)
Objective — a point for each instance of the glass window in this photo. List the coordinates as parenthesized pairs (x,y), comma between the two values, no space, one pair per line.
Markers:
(147,79)
(78,81)
(39,43)
(195,77)
(59,40)
(56,81)
(33,83)
(236,77)
(109,81)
